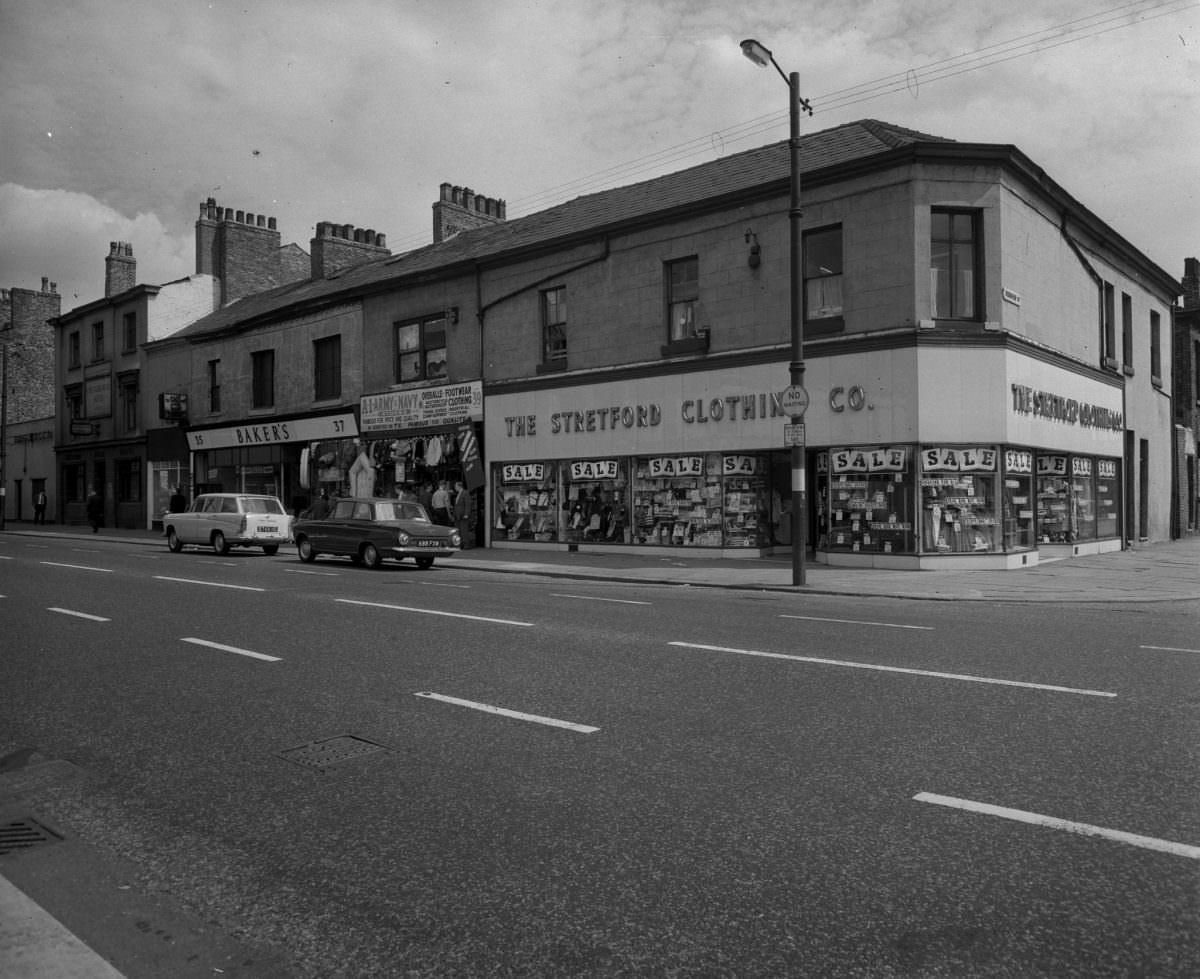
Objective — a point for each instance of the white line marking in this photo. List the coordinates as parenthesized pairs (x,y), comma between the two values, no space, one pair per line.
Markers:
(443,584)
(886,625)
(489,709)
(86,550)
(232,649)
(425,611)
(81,615)
(896,669)
(76,567)
(5,557)
(326,574)
(593,598)
(214,584)
(1170,649)
(1052,822)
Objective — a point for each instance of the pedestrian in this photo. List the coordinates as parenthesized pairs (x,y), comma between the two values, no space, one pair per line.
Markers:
(39,509)
(441,505)
(462,513)
(178,501)
(425,498)
(95,510)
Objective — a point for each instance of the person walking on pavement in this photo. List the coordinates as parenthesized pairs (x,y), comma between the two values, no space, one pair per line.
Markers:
(441,504)
(95,510)
(178,501)
(462,513)
(39,509)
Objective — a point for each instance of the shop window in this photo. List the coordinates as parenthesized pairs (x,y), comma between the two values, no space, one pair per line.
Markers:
(327,368)
(214,386)
(263,378)
(595,506)
(1127,332)
(955,265)
(129,480)
(683,294)
(871,500)
(959,512)
(1018,504)
(1083,497)
(73,354)
(129,332)
(97,341)
(1155,349)
(677,500)
(421,350)
(823,278)
(526,502)
(1108,327)
(747,501)
(73,490)
(1108,498)
(554,325)
(1054,500)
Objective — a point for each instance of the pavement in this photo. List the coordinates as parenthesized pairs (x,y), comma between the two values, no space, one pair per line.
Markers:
(34,945)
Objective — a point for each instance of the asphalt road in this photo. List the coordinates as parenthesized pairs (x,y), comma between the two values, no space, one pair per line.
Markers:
(326,771)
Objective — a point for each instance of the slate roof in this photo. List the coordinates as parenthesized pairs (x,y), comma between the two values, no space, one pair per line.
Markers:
(738,172)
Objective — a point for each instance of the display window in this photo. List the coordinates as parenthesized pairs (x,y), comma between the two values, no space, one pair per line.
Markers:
(821,500)
(871,500)
(526,501)
(959,497)
(1083,497)
(677,500)
(1017,501)
(595,508)
(747,500)
(1108,498)
(1054,500)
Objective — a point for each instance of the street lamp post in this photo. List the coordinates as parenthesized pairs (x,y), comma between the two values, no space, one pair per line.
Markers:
(762,57)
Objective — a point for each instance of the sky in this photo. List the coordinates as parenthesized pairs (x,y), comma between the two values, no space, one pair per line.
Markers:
(118,119)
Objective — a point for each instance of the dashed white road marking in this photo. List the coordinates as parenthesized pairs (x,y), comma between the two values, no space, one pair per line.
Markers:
(885,625)
(211,584)
(76,567)
(504,712)
(426,611)
(443,584)
(594,598)
(325,574)
(1170,649)
(1053,822)
(231,649)
(896,669)
(79,615)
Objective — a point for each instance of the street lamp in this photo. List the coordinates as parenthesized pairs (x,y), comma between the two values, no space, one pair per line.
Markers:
(796,397)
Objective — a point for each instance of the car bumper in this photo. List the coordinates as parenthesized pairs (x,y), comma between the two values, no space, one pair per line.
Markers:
(402,552)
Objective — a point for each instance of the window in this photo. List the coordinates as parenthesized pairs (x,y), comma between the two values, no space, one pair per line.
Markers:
(683,292)
(1127,332)
(954,260)
(72,483)
(129,403)
(554,324)
(74,398)
(73,350)
(1196,368)
(214,385)
(128,332)
(1155,348)
(327,368)
(97,341)
(263,369)
(421,349)
(1109,327)
(129,480)
(823,274)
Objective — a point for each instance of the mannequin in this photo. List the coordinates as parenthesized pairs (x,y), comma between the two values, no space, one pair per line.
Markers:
(362,473)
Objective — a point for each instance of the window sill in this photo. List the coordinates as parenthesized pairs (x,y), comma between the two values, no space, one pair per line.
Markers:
(1156,381)
(688,345)
(1110,363)
(551,366)
(1127,371)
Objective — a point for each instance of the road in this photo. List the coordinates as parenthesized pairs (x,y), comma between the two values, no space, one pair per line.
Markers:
(451,773)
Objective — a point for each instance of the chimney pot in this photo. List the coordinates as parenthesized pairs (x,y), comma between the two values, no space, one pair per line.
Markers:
(45,282)
(381,240)
(54,287)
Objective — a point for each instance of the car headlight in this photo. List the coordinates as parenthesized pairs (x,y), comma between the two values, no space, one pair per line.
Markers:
(403,538)
(455,539)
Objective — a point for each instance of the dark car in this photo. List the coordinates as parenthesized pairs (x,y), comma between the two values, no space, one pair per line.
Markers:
(367,531)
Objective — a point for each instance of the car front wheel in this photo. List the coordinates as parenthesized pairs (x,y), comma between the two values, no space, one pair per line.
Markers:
(306,551)
(219,544)
(424,563)
(174,544)
(370,556)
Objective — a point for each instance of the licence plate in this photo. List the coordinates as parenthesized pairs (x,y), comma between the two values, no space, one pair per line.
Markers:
(429,543)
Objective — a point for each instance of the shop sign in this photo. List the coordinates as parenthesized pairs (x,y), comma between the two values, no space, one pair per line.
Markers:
(1106,468)
(595,469)
(398,411)
(886,459)
(959,460)
(1044,404)
(1081,466)
(739,465)
(98,397)
(1018,461)
(669,466)
(273,433)
(1052,465)
(525,472)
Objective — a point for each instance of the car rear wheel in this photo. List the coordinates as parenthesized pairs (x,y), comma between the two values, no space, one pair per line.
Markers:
(270,550)
(370,556)
(424,563)
(174,544)
(307,553)
(219,543)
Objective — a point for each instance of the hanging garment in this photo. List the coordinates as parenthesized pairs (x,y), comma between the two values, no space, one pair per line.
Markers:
(433,451)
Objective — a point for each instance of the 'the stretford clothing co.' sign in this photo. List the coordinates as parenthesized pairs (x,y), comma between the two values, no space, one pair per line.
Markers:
(397,411)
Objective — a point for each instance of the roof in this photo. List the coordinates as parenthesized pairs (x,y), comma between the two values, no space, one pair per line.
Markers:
(733,174)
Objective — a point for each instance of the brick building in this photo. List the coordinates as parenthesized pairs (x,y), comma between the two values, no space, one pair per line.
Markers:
(1186,375)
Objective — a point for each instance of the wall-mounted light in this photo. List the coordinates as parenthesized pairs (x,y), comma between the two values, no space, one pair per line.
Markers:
(755,251)
(452,315)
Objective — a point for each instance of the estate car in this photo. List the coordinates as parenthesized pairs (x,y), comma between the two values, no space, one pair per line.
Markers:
(225,520)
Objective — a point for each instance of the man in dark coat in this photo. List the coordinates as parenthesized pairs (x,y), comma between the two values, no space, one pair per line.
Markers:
(95,510)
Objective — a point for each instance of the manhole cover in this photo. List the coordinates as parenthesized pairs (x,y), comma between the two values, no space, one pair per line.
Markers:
(331,751)
(24,834)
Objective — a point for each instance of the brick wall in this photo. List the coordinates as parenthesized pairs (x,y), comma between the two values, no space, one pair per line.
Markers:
(31,350)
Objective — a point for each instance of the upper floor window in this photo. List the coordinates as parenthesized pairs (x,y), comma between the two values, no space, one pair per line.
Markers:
(1155,348)
(421,349)
(823,274)
(97,341)
(74,399)
(73,349)
(128,332)
(954,264)
(554,324)
(129,402)
(683,294)
(1108,326)
(327,368)
(214,385)
(1127,332)
(263,369)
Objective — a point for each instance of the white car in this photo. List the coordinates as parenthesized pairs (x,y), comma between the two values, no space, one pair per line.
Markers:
(225,520)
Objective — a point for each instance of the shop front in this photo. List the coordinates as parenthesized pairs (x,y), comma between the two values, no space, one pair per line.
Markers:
(268,457)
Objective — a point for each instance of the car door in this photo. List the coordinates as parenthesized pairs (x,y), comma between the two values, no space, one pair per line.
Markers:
(336,531)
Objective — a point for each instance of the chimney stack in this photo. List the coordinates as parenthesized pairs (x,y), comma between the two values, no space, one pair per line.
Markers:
(461,209)
(243,250)
(339,246)
(120,269)
(1191,283)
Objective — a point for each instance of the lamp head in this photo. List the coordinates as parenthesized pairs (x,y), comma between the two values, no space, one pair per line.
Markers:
(756,52)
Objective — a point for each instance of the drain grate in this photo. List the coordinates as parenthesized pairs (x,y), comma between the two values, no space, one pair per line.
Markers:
(24,834)
(331,751)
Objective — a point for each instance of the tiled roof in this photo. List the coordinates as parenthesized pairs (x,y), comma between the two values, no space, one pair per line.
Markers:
(714,179)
